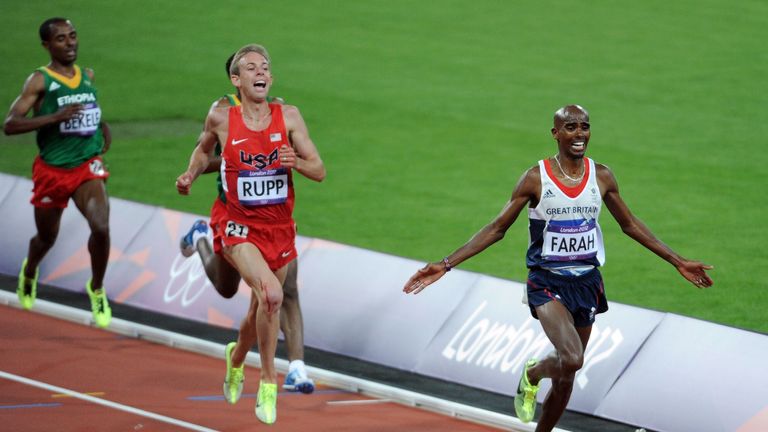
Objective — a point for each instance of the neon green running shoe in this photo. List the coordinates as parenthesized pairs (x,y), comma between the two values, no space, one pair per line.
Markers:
(102,313)
(266,403)
(27,288)
(233,381)
(525,399)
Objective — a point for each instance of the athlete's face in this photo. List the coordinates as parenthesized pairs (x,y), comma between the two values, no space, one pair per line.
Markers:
(572,131)
(255,77)
(63,43)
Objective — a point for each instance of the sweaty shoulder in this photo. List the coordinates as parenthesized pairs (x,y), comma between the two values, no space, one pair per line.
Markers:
(605,178)
(529,185)
(218,115)
(292,116)
(533,174)
(602,170)
(36,80)
(290,110)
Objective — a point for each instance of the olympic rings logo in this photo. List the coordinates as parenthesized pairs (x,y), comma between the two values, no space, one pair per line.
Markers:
(184,282)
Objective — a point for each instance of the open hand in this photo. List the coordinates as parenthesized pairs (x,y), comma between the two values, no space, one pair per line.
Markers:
(695,272)
(424,277)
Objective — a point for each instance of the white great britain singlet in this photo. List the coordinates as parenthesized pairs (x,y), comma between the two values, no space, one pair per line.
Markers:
(564,235)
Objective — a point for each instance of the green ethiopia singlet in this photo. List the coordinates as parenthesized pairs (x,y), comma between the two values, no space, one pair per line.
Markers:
(72,142)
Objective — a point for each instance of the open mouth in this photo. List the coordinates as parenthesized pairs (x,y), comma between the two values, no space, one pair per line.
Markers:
(578,145)
(260,84)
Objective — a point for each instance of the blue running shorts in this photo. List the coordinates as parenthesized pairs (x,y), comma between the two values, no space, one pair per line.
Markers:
(583,296)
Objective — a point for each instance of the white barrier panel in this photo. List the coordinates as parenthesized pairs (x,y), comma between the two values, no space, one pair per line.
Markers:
(694,375)
(641,367)
(352,304)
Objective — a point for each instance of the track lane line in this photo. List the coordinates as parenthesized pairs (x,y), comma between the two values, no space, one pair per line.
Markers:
(104,402)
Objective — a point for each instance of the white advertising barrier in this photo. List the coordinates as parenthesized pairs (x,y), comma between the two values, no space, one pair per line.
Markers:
(646,368)
(353,304)
(694,375)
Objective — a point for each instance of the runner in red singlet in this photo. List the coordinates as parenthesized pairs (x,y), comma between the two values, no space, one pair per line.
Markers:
(263,144)
(226,279)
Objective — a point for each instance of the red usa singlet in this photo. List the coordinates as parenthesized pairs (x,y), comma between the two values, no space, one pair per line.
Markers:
(259,189)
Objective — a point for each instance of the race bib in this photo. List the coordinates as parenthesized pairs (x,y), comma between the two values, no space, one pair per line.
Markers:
(235,229)
(97,167)
(570,243)
(85,124)
(256,188)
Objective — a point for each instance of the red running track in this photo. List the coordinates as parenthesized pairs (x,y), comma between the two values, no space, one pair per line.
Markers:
(161,387)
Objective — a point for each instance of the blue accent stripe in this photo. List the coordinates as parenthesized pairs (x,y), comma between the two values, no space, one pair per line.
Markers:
(37,405)
(253,395)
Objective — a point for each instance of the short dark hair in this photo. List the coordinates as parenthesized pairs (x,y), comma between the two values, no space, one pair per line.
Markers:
(45,28)
(229,63)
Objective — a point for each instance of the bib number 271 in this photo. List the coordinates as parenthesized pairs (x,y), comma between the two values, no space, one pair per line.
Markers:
(236,230)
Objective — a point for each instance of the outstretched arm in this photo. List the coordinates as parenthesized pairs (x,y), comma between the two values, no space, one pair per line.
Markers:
(525,191)
(303,155)
(693,271)
(17,122)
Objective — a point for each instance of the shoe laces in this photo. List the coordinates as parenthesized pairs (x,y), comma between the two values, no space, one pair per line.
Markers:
(269,396)
(99,302)
(236,377)
(529,393)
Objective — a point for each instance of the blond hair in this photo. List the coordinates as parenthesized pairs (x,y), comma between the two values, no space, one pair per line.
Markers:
(234,68)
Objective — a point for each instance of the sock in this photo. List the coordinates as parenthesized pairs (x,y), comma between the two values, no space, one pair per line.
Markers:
(297,365)
(197,235)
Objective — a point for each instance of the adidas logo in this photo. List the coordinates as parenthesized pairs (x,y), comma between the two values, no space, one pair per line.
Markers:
(54,86)
(548,194)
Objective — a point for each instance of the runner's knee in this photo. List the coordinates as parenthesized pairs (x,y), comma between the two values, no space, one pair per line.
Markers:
(271,293)
(267,291)
(47,237)
(273,296)
(99,226)
(570,362)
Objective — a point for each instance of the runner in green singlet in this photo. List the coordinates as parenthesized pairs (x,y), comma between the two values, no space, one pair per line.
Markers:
(71,137)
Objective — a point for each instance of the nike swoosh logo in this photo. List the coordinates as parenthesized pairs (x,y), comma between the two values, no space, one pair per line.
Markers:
(285,254)
(236,142)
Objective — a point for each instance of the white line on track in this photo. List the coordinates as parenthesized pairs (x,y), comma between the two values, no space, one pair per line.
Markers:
(104,402)
(359,402)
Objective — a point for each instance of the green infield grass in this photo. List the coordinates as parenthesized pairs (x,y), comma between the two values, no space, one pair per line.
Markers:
(427,113)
